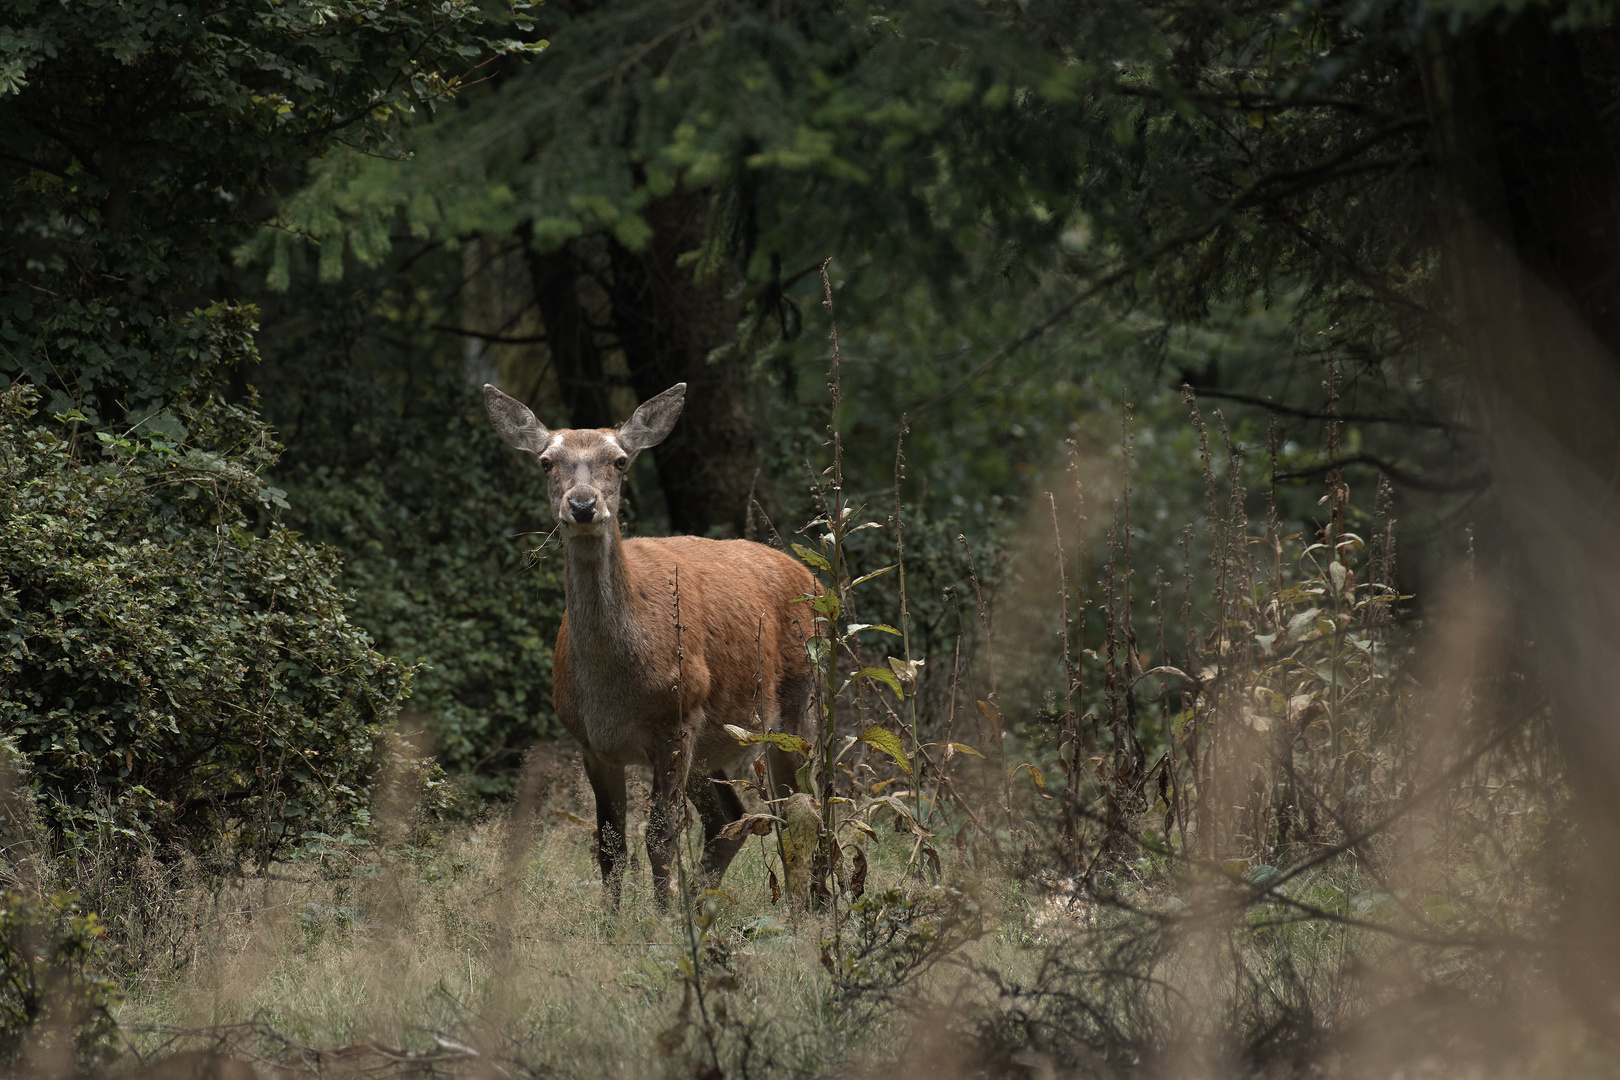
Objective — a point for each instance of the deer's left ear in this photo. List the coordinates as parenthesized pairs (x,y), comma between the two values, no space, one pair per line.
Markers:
(653,422)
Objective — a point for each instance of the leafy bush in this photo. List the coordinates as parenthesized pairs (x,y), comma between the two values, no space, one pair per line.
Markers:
(430,526)
(170,674)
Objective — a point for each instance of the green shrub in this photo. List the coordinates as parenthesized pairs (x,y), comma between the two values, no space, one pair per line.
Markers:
(392,460)
(429,519)
(170,674)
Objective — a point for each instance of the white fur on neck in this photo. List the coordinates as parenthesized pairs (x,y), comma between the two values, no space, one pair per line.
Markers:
(596,584)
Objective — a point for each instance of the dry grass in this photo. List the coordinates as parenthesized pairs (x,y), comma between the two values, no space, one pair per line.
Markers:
(498,941)
(1426,950)
(1411,933)
(493,954)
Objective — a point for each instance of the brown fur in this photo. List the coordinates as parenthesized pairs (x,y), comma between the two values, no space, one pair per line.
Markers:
(736,655)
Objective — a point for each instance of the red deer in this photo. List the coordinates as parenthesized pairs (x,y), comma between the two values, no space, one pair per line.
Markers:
(737,654)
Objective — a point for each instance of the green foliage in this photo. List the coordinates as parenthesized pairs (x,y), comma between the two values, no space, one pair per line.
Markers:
(141,136)
(895,936)
(392,460)
(181,666)
(1169,156)
(1226,736)
(172,676)
(1302,674)
(51,961)
(939,571)
(807,105)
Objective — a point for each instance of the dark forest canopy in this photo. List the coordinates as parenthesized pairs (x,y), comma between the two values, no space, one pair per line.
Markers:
(1030,206)
(653,193)
(672,175)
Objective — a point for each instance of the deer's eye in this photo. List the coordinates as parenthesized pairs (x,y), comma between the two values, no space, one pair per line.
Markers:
(546,463)
(622,464)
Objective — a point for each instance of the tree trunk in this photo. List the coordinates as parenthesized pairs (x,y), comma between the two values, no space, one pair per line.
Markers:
(576,356)
(1534,176)
(1558,176)
(668,324)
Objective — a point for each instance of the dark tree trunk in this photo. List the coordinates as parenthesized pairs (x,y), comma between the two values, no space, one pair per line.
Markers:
(1557,168)
(667,324)
(576,355)
(1535,175)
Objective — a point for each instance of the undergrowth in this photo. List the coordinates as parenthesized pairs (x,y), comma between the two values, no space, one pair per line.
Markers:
(1242,814)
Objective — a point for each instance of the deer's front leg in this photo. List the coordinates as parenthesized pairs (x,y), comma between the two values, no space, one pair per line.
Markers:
(664,819)
(607,784)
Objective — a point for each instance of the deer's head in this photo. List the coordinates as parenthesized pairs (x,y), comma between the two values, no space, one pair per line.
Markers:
(585,466)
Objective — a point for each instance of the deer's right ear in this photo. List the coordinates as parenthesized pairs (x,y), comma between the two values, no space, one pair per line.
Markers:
(515,423)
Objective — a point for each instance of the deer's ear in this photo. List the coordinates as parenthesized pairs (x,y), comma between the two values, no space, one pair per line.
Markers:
(515,423)
(652,422)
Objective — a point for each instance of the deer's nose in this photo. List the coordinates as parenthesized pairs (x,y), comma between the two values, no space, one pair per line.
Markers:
(582,510)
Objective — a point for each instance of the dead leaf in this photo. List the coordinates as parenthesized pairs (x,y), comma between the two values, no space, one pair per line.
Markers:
(933,860)
(992,714)
(755,824)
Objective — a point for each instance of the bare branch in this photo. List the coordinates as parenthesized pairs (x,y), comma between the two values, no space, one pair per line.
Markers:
(1406,478)
(494,339)
(1313,414)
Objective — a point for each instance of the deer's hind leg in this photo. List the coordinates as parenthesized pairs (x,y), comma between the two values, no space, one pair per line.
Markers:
(718,806)
(793,705)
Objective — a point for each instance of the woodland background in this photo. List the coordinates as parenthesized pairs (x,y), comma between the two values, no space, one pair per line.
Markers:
(1161,328)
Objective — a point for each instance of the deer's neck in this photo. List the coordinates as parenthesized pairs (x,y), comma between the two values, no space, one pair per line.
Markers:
(599,595)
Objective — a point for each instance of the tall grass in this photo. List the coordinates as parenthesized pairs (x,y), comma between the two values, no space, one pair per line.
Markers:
(497,948)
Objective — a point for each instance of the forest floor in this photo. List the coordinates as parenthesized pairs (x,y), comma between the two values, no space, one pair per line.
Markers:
(489,951)
(494,945)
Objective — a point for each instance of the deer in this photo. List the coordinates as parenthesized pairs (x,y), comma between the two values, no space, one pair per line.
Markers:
(664,643)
